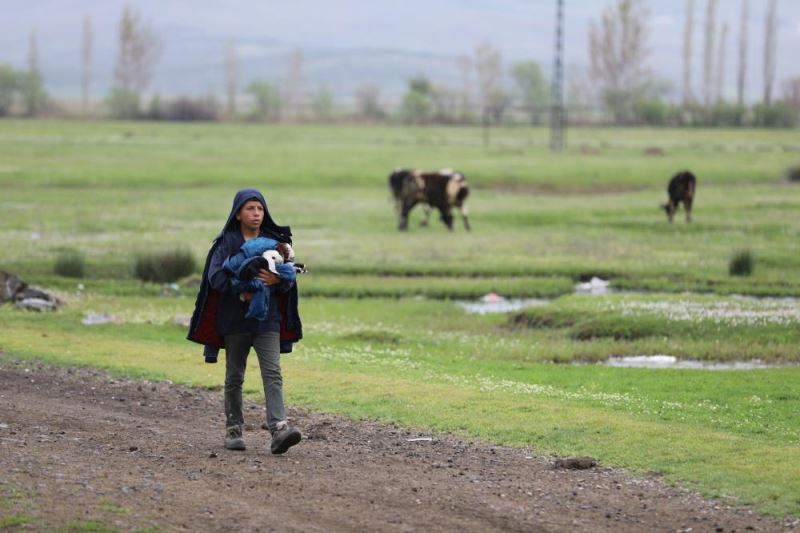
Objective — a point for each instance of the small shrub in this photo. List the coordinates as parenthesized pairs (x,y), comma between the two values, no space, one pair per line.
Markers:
(164,267)
(776,115)
(373,336)
(725,114)
(652,112)
(793,174)
(192,109)
(741,264)
(70,264)
(123,104)
(543,319)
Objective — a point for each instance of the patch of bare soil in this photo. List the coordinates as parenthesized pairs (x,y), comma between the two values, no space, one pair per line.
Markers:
(79,445)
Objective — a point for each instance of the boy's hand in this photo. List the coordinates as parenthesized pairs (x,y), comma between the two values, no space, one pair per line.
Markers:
(268,278)
(246,296)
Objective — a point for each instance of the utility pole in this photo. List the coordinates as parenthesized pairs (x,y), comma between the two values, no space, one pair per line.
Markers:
(557,112)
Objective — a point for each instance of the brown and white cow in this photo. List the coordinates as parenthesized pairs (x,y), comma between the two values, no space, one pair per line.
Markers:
(441,190)
(681,188)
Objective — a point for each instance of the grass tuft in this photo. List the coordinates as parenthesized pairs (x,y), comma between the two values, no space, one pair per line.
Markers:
(542,319)
(741,264)
(70,263)
(164,267)
(618,328)
(373,336)
(94,526)
(8,522)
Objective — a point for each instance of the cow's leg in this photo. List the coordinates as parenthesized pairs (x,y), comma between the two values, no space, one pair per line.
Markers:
(687,206)
(426,214)
(407,206)
(464,216)
(447,217)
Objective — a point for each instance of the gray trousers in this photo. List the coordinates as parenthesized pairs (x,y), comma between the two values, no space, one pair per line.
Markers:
(237,348)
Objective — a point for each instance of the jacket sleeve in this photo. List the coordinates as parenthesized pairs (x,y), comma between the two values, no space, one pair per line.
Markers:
(218,278)
(287,276)
(233,264)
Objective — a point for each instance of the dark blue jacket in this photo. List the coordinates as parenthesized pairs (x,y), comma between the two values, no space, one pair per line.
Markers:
(238,264)
(218,307)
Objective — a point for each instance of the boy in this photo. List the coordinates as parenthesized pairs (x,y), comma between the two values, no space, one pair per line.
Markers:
(220,320)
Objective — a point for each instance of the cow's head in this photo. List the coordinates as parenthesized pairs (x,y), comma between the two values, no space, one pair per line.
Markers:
(669,208)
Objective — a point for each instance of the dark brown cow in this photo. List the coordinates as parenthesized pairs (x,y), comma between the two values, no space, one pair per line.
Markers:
(442,190)
(681,188)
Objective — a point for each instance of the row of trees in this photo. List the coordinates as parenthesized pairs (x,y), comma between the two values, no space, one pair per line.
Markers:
(423,102)
(715,55)
(619,82)
(618,50)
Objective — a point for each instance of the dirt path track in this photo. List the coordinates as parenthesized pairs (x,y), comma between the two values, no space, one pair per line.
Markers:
(76,444)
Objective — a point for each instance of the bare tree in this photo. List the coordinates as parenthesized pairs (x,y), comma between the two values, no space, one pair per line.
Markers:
(465,67)
(31,83)
(708,52)
(231,78)
(86,63)
(791,92)
(720,78)
(741,84)
(618,51)
(688,31)
(368,102)
(33,54)
(489,69)
(294,91)
(770,49)
(618,46)
(139,50)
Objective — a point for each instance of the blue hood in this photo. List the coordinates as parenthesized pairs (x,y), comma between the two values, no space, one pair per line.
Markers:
(268,226)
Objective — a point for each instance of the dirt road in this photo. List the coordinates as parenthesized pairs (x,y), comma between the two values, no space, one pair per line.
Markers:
(82,449)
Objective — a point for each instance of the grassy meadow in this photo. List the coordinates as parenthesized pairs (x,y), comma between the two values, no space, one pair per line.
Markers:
(384,336)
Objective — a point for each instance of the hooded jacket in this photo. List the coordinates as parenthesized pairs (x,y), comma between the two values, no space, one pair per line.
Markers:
(217,304)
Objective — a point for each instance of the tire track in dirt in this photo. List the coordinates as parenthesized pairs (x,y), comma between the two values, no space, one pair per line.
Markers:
(77,444)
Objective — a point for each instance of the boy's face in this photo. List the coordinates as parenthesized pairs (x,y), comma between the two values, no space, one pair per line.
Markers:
(251,215)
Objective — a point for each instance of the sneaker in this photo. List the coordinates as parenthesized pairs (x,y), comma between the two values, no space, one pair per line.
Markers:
(284,438)
(234,439)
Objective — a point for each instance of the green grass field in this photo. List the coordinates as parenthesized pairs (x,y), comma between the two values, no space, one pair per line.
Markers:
(384,338)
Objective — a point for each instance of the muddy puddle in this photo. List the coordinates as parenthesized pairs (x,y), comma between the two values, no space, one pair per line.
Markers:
(493,303)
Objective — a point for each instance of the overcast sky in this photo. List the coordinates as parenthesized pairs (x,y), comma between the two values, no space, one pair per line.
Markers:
(519,28)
